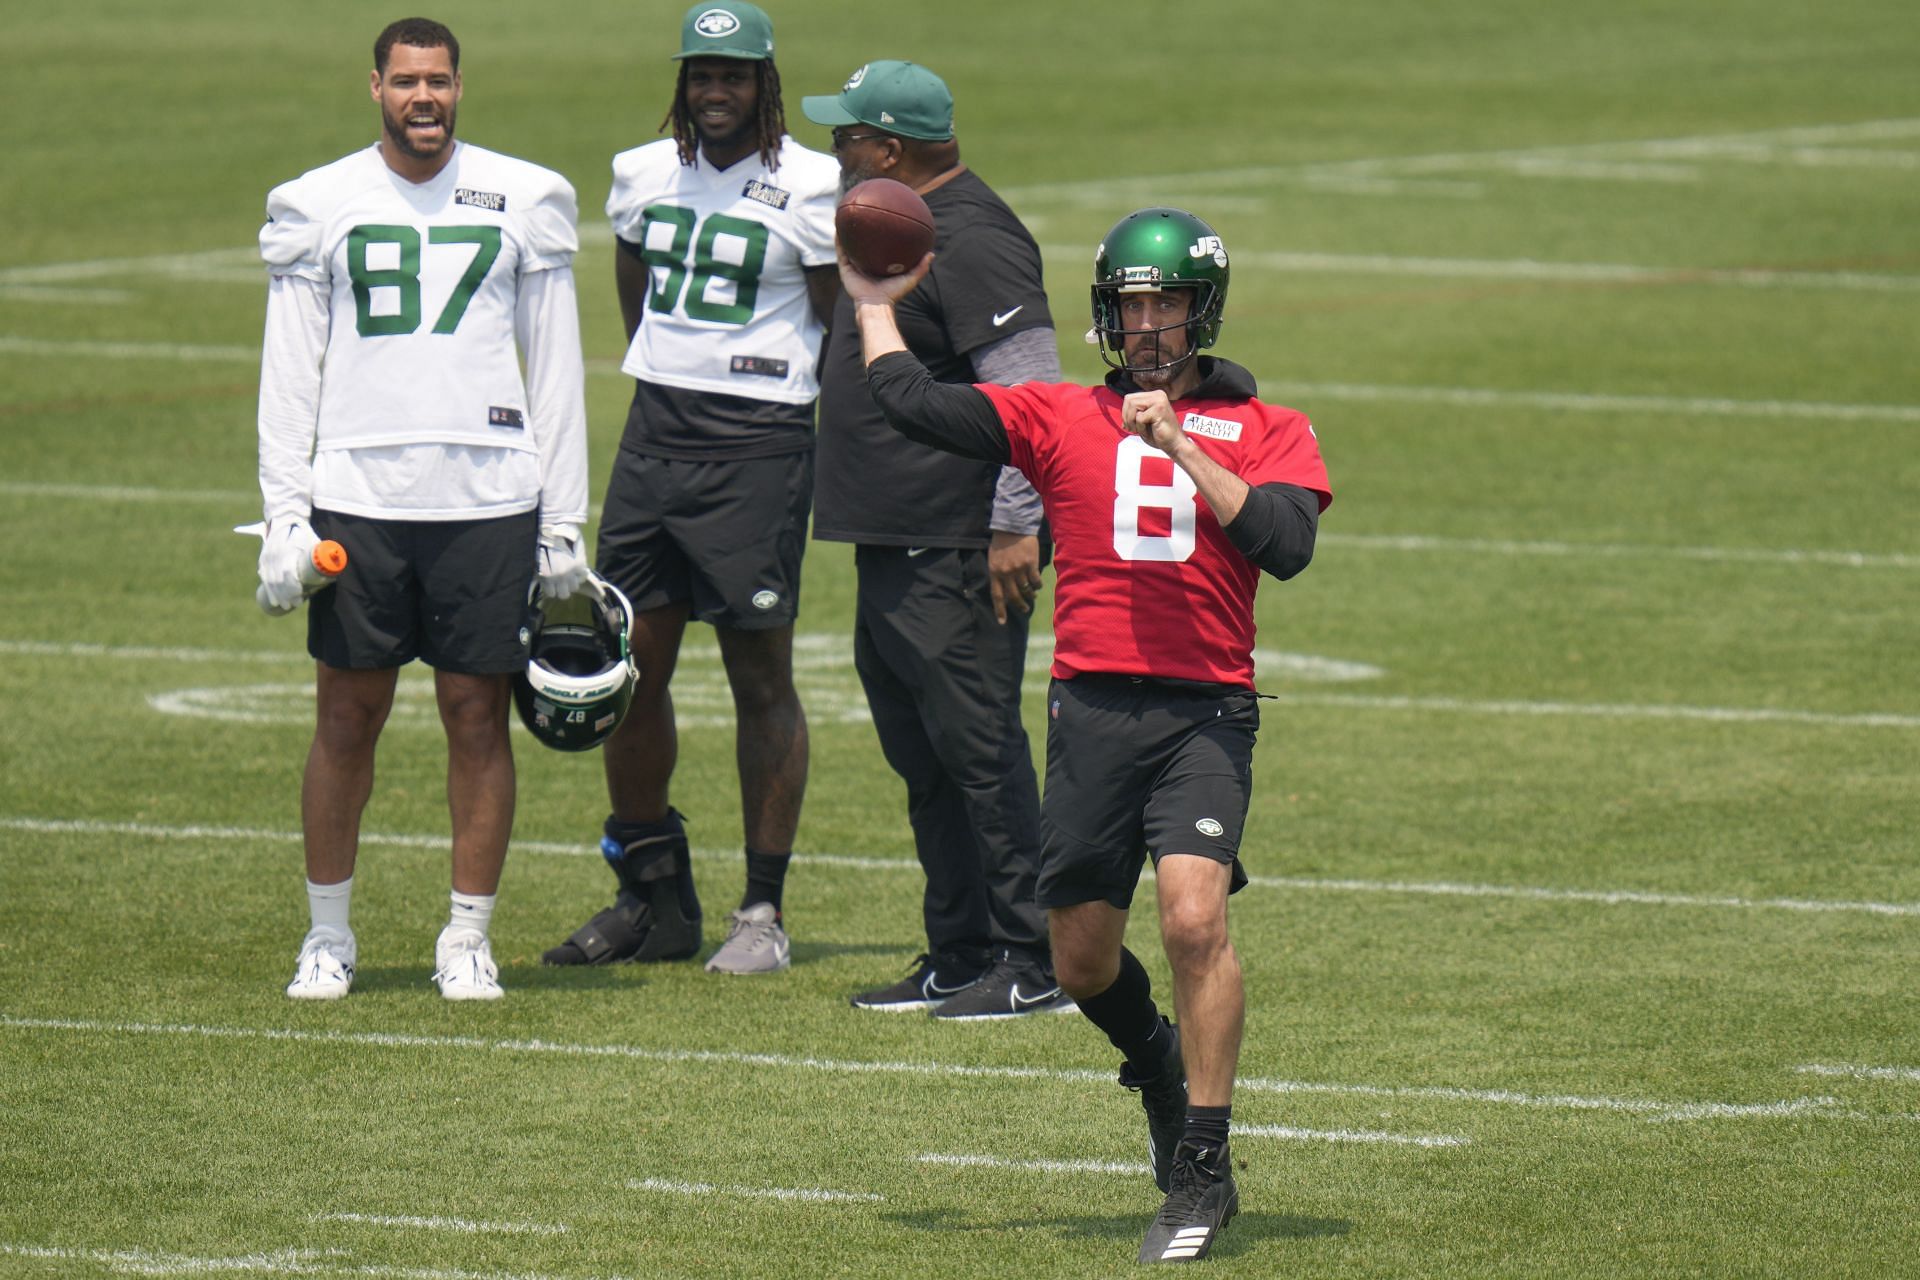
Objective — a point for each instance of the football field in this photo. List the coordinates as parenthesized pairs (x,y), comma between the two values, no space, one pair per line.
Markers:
(1584,930)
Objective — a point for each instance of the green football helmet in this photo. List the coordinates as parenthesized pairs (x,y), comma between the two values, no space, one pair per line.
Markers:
(1151,250)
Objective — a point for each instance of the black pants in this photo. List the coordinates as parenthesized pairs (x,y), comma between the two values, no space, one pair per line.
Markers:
(942,679)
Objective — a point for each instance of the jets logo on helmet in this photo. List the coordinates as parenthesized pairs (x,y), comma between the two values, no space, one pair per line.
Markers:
(716,22)
(1156,250)
(1209,247)
(580,673)
(853,81)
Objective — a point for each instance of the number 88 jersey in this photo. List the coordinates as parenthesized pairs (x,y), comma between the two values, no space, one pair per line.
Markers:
(425,282)
(726,252)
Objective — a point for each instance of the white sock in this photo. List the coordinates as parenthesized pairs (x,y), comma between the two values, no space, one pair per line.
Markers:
(327,905)
(471,911)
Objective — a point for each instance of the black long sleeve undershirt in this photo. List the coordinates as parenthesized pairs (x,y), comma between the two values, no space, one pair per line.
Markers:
(953,416)
(1275,528)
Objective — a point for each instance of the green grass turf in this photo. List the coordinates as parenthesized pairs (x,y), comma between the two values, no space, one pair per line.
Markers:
(1652,637)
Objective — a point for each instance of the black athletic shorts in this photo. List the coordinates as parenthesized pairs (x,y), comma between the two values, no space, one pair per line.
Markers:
(1138,767)
(452,593)
(724,537)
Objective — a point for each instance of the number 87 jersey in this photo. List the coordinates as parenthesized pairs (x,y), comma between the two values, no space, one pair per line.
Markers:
(425,284)
(726,252)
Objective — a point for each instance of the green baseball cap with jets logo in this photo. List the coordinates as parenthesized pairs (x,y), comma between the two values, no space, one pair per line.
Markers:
(733,29)
(900,97)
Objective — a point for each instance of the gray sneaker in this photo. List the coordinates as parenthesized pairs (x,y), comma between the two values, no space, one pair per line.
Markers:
(755,943)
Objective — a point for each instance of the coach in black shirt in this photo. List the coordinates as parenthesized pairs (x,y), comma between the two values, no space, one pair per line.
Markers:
(948,557)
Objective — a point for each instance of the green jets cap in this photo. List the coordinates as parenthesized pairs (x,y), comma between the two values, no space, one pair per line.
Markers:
(734,29)
(899,97)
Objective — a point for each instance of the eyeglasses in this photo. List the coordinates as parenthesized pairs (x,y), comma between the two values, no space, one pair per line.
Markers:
(842,140)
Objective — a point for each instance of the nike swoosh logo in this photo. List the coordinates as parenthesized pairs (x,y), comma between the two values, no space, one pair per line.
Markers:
(1027,1002)
(933,987)
(918,551)
(1005,316)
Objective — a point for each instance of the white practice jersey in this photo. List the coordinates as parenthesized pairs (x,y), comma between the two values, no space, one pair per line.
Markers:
(424,282)
(726,250)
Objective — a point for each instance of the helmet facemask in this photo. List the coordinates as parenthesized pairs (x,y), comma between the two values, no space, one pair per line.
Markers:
(580,674)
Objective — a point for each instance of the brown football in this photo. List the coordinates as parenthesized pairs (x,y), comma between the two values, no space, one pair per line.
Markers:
(884,226)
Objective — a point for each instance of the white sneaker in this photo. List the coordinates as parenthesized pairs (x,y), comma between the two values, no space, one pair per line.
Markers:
(755,943)
(465,967)
(324,970)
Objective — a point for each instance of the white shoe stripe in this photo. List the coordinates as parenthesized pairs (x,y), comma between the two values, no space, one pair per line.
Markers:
(1184,1232)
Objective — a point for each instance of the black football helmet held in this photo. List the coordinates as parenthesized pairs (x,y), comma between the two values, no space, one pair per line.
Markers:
(580,670)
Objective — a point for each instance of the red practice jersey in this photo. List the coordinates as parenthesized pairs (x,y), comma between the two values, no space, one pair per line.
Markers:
(1148,584)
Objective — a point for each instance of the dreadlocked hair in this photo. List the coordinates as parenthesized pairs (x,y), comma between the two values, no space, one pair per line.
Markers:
(769,128)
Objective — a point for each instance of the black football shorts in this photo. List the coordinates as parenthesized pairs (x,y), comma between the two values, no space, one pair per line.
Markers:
(725,537)
(452,593)
(1138,768)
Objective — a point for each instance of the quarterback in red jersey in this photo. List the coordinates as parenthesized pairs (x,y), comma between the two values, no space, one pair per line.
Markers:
(1169,490)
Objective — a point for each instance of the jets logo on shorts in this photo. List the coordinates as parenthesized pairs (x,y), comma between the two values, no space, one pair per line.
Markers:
(716,22)
(1209,827)
(764,600)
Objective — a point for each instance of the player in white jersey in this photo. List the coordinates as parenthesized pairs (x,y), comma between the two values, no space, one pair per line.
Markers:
(726,276)
(407,281)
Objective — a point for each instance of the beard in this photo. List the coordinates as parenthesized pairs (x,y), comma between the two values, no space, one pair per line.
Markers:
(851,178)
(396,127)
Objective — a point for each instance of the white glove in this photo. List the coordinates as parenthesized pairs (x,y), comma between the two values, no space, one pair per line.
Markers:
(288,548)
(562,565)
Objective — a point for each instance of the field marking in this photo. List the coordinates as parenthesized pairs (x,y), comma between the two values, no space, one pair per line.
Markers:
(125,493)
(1478,397)
(464,1225)
(957,1161)
(1584,402)
(1630,160)
(1301,262)
(1854,1071)
(1602,897)
(1621,550)
(1367,1136)
(834,693)
(1652,1109)
(811,1195)
(587,849)
(270,1262)
(1603,710)
(94,349)
(1415,542)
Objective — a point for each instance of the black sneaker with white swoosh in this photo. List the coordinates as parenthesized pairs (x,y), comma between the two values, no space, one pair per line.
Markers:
(1016,984)
(929,983)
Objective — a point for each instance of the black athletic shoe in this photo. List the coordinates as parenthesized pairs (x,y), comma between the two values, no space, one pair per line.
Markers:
(1200,1205)
(929,983)
(1015,984)
(1164,1095)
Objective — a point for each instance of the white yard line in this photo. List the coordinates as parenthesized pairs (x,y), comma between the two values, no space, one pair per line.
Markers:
(1649,1108)
(1620,550)
(955,1160)
(1364,1136)
(465,1226)
(812,1195)
(1605,711)
(263,1262)
(1854,1071)
(1475,397)
(1600,897)
(88,828)
(1582,402)
(1533,269)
